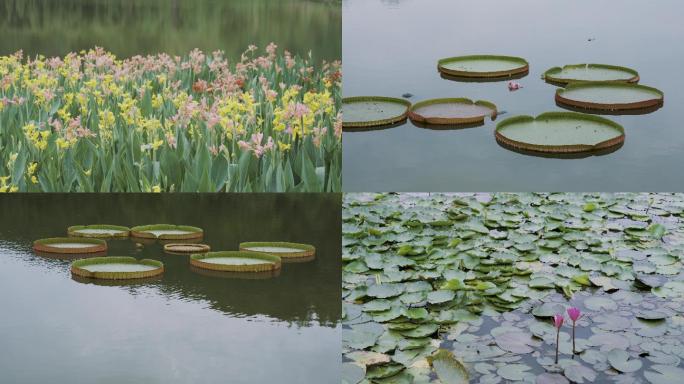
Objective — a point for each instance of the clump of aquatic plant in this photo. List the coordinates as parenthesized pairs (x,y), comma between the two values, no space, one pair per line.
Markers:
(424,272)
(574,314)
(93,122)
(558,323)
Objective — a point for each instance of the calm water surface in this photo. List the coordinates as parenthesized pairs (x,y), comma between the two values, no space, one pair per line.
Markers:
(185,327)
(131,27)
(392,47)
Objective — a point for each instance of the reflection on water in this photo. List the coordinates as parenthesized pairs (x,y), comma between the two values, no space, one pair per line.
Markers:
(392,47)
(187,325)
(130,27)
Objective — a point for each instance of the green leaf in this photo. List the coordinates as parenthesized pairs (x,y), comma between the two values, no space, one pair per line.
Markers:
(447,368)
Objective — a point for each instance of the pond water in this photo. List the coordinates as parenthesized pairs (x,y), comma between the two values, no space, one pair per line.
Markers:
(134,27)
(184,326)
(391,47)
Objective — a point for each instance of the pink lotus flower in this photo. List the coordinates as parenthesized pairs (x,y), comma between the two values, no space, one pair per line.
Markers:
(574,314)
(558,323)
(513,86)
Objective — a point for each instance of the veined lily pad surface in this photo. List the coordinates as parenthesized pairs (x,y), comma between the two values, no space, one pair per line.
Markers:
(560,132)
(280,248)
(590,72)
(116,268)
(98,231)
(451,111)
(609,96)
(462,287)
(373,111)
(483,66)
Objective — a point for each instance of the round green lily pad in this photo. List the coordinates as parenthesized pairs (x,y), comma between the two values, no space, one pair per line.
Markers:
(609,96)
(483,66)
(281,249)
(184,248)
(452,111)
(167,232)
(236,261)
(70,245)
(590,72)
(103,231)
(559,132)
(116,268)
(373,111)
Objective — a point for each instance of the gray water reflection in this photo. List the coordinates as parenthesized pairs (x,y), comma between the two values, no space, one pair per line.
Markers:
(131,27)
(392,47)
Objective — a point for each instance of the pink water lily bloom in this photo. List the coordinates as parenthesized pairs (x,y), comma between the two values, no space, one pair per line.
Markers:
(574,313)
(513,86)
(558,320)
(558,323)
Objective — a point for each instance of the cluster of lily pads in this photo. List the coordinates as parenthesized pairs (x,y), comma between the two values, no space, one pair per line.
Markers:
(87,243)
(588,88)
(456,288)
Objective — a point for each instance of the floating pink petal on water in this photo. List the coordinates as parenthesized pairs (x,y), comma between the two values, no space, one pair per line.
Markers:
(513,86)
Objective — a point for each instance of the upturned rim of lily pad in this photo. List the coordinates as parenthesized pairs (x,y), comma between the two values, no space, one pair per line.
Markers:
(143,231)
(549,74)
(186,248)
(123,232)
(78,270)
(305,250)
(524,67)
(44,245)
(640,105)
(417,117)
(380,122)
(565,149)
(270,261)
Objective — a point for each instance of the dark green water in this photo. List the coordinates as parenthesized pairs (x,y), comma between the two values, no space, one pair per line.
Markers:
(185,327)
(391,47)
(131,27)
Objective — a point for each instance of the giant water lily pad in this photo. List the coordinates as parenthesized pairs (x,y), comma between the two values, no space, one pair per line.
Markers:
(116,268)
(609,96)
(559,132)
(98,231)
(236,261)
(483,66)
(373,111)
(590,72)
(70,245)
(282,249)
(167,232)
(451,111)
